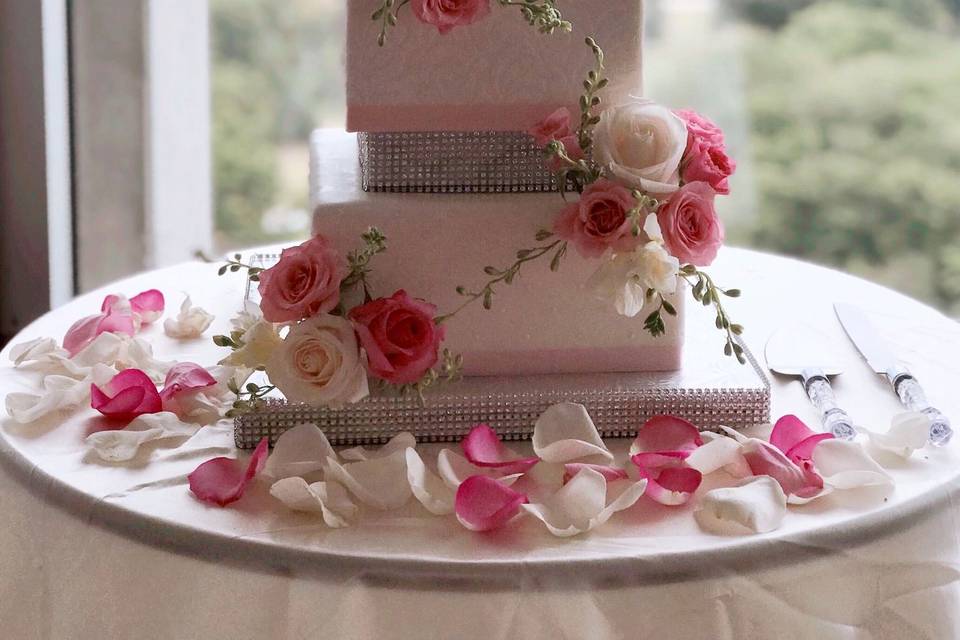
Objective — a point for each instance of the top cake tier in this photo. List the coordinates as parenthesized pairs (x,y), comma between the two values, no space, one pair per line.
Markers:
(497,74)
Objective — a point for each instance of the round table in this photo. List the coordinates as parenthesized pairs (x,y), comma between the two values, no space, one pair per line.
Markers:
(89,549)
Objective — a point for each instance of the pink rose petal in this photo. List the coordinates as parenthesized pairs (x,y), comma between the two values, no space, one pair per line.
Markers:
(117,322)
(483,448)
(129,394)
(796,439)
(766,460)
(666,433)
(185,376)
(81,333)
(222,481)
(669,481)
(148,305)
(482,503)
(609,473)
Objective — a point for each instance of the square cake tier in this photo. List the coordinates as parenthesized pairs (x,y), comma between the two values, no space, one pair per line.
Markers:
(498,74)
(545,322)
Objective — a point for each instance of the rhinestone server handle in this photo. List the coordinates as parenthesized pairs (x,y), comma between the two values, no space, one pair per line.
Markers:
(834,419)
(913,398)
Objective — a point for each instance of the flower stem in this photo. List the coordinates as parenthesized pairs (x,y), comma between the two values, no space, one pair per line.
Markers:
(707,292)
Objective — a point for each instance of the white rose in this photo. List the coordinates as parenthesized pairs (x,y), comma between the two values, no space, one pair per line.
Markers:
(319,363)
(259,342)
(640,145)
(625,277)
(191,322)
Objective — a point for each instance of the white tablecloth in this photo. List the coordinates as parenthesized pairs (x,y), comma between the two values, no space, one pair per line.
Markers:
(134,555)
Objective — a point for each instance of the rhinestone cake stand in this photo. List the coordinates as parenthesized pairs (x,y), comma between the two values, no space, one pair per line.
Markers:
(710,390)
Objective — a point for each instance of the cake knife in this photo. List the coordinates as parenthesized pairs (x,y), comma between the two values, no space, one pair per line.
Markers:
(800,351)
(875,351)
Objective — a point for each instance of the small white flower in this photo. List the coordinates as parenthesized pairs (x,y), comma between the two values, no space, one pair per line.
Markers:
(191,322)
(259,341)
(640,145)
(250,315)
(625,277)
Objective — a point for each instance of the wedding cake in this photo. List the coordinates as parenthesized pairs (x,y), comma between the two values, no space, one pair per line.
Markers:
(439,158)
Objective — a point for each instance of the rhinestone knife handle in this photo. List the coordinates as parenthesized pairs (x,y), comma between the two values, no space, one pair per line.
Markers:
(834,419)
(914,399)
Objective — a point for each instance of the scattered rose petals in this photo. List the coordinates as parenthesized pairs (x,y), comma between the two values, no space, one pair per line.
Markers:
(454,469)
(148,305)
(59,392)
(483,448)
(766,460)
(222,481)
(380,482)
(427,486)
(580,505)
(609,473)
(299,451)
(756,505)
(565,432)
(35,350)
(908,432)
(483,504)
(719,453)
(85,330)
(328,498)
(399,442)
(670,482)
(120,445)
(129,394)
(185,376)
(796,439)
(666,433)
(190,323)
(846,465)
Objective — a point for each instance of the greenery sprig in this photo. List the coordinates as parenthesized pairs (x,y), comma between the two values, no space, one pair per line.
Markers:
(654,323)
(387,16)
(542,14)
(250,398)
(708,293)
(507,275)
(234,264)
(374,242)
(638,214)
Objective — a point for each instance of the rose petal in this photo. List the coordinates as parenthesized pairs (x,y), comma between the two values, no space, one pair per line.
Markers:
(329,499)
(666,433)
(565,432)
(846,465)
(669,481)
(399,442)
(719,453)
(610,474)
(580,505)
(148,305)
(795,438)
(190,323)
(755,505)
(120,445)
(299,451)
(380,482)
(59,392)
(185,376)
(482,503)
(81,333)
(454,469)
(483,448)
(427,486)
(222,481)
(766,460)
(32,350)
(129,394)
(908,432)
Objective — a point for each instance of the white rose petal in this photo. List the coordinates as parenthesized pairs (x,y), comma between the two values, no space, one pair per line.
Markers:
(328,498)
(399,442)
(319,363)
(846,465)
(427,487)
(640,145)
(39,349)
(59,392)
(380,483)
(299,451)
(454,469)
(190,323)
(755,505)
(565,432)
(120,445)
(908,432)
(719,453)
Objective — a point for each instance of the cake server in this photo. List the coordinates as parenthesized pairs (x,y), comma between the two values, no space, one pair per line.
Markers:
(803,352)
(883,361)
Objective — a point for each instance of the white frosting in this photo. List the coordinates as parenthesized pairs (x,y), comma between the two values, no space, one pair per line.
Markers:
(544,322)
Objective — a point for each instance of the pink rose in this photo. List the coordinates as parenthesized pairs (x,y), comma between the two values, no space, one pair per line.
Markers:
(599,221)
(700,128)
(558,126)
(447,14)
(304,283)
(710,164)
(691,229)
(399,336)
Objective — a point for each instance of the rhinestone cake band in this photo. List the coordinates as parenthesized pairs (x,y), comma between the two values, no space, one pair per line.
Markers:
(453,162)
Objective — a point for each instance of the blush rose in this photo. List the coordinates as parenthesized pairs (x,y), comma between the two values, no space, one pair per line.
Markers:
(304,283)
(558,126)
(710,164)
(599,220)
(399,336)
(691,229)
(447,14)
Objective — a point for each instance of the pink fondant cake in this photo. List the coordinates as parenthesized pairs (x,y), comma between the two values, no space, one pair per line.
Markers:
(545,322)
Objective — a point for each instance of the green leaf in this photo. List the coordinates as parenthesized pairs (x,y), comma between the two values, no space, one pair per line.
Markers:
(222,270)
(733,293)
(669,308)
(491,271)
(488,299)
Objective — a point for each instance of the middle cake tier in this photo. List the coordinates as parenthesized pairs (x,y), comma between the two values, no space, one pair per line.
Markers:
(543,322)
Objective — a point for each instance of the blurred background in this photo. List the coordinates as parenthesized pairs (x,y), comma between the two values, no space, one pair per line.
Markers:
(844,117)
